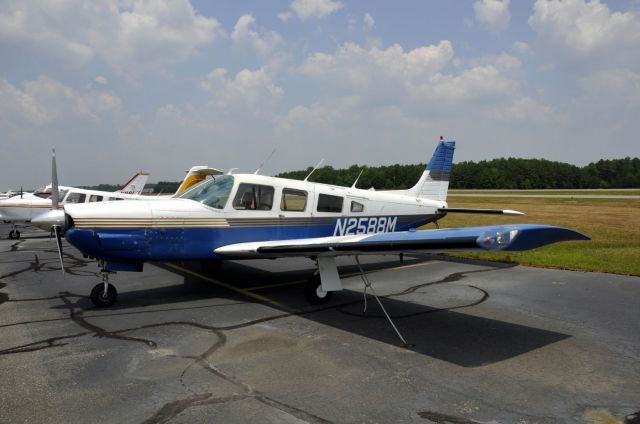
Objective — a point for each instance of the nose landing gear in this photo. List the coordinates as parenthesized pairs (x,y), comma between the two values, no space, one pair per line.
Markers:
(104,294)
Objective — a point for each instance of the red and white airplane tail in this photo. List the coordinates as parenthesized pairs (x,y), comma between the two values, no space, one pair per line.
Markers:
(135,184)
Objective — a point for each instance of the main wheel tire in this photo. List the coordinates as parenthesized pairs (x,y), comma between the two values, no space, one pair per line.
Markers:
(102,299)
(211,266)
(17,234)
(12,234)
(313,291)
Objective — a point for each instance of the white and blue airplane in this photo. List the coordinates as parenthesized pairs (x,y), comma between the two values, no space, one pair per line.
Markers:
(249,216)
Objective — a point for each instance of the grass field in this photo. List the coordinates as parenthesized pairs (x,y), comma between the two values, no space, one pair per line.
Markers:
(613,225)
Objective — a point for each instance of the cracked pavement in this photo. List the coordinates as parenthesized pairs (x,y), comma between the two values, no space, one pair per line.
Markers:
(489,343)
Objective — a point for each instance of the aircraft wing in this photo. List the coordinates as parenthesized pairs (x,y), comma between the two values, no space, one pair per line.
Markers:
(512,237)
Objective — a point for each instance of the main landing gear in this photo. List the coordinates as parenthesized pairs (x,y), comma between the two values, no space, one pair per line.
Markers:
(326,280)
(313,291)
(104,294)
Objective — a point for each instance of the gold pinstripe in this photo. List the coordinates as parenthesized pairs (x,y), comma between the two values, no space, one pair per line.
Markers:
(210,222)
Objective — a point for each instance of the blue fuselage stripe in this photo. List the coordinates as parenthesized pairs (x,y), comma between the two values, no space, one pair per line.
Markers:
(162,244)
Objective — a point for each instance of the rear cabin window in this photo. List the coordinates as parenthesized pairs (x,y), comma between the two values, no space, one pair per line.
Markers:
(75,198)
(293,200)
(328,203)
(253,197)
(95,198)
(356,206)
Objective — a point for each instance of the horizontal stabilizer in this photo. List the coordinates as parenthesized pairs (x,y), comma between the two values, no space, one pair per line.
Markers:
(515,237)
(484,211)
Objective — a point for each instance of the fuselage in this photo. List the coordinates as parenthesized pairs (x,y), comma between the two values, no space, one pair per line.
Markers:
(28,206)
(237,208)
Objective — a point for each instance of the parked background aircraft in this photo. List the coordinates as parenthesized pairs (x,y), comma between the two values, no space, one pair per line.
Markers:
(256,216)
(22,209)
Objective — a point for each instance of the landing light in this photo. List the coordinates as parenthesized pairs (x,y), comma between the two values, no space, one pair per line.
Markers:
(496,240)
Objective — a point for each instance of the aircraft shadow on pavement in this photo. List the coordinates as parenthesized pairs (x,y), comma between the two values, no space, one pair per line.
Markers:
(452,336)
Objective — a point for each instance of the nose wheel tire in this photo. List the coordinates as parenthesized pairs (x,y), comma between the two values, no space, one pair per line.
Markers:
(313,291)
(102,299)
(14,234)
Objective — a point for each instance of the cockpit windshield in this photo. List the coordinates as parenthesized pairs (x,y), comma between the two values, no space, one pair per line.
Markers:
(212,192)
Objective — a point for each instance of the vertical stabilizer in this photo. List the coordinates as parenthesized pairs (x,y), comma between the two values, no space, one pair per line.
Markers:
(135,184)
(434,182)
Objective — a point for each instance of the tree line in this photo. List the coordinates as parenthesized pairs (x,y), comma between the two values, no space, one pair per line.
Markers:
(510,173)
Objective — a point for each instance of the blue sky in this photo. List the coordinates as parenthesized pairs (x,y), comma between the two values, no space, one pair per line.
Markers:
(125,85)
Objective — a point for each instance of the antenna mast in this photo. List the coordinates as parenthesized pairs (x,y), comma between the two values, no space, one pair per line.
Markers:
(265,161)
(314,169)
(354,183)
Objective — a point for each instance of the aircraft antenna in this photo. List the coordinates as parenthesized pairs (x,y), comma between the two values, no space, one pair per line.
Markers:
(357,178)
(230,171)
(265,161)
(314,169)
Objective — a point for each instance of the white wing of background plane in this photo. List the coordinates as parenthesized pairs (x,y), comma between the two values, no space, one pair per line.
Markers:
(512,237)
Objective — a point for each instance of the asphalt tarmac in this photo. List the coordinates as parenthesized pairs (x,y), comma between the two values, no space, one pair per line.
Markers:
(490,343)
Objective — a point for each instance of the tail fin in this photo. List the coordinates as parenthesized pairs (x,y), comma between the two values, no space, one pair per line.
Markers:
(135,184)
(434,182)
(195,175)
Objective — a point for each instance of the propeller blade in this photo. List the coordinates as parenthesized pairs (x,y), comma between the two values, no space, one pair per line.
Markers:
(58,232)
(55,194)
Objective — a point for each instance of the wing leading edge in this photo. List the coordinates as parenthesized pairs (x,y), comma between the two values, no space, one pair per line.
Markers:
(513,237)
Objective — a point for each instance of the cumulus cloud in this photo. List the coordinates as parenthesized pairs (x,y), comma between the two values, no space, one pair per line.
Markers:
(130,35)
(418,74)
(355,66)
(494,14)
(310,9)
(525,109)
(254,90)
(44,101)
(244,34)
(576,29)
(623,85)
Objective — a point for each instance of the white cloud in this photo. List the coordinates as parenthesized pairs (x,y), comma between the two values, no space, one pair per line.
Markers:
(244,33)
(309,9)
(621,86)
(128,35)
(44,101)
(248,89)
(418,74)
(493,13)
(355,66)
(101,80)
(369,22)
(576,29)
(520,47)
(525,109)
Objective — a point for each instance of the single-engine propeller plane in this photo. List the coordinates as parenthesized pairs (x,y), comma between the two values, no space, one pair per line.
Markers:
(249,216)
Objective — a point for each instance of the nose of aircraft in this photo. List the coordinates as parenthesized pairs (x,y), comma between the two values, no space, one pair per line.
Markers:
(50,218)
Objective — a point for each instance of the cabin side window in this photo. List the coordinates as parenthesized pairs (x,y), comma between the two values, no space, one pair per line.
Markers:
(293,200)
(328,203)
(356,206)
(95,198)
(253,197)
(76,198)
